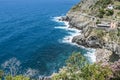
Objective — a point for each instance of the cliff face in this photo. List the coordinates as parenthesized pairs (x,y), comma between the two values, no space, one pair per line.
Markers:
(101,39)
(93,37)
(79,14)
(84,5)
(105,40)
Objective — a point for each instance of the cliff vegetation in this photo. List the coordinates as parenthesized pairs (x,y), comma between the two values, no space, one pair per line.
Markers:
(77,68)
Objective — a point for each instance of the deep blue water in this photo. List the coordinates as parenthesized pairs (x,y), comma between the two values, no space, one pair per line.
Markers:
(27,33)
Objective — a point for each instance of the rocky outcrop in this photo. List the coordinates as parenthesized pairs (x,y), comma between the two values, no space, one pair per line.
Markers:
(92,37)
(105,40)
(64,18)
(91,42)
(103,55)
(96,38)
(84,5)
(78,20)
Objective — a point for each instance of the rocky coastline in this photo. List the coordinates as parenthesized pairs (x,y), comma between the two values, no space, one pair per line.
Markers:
(105,40)
(99,31)
(87,38)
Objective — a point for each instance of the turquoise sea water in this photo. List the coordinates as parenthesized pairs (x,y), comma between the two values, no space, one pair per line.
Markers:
(28,33)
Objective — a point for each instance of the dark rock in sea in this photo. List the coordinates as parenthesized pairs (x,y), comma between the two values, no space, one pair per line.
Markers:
(79,40)
(77,24)
(64,18)
(92,41)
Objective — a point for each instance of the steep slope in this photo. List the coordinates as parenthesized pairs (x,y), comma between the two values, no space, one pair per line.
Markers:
(84,16)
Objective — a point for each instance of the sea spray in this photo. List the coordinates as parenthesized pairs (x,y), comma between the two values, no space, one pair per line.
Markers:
(90,55)
(71,31)
(28,34)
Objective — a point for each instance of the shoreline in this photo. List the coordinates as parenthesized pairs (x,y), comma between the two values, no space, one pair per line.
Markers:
(93,54)
(90,55)
(92,37)
(71,31)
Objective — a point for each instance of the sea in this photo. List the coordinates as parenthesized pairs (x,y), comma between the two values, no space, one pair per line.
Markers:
(31,33)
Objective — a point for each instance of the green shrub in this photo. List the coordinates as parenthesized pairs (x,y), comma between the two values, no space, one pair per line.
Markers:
(77,68)
(96,72)
(72,69)
(9,78)
(100,15)
(99,33)
(102,11)
(118,33)
(109,12)
(118,13)
(76,7)
(1,74)
(98,22)
(76,61)
(103,3)
(118,7)
(18,77)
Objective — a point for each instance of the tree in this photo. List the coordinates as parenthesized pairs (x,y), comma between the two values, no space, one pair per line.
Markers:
(76,61)
(96,72)
(109,12)
(72,69)
(11,66)
(101,13)
(77,68)
(1,74)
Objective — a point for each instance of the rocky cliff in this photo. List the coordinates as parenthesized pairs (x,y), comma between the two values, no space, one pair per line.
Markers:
(104,39)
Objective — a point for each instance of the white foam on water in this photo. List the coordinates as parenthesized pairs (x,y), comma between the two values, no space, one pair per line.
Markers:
(68,39)
(91,55)
(57,19)
(31,72)
(71,31)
